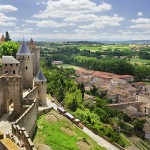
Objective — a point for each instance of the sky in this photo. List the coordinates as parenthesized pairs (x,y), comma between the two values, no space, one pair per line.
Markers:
(48,20)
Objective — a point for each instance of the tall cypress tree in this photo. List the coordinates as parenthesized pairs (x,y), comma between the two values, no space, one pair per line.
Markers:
(7,37)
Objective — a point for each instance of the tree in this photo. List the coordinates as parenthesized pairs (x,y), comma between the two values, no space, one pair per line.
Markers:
(73,100)
(81,87)
(7,37)
(9,48)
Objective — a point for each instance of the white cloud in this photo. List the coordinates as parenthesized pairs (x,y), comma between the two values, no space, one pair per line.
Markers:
(84,31)
(140,14)
(53,24)
(7,24)
(7,8)
(26,30)
(140,23)
(4,18)
(31,21)
(7,21)
(140,26)
(103,21)
(65,8)
(81,18)
(141,20)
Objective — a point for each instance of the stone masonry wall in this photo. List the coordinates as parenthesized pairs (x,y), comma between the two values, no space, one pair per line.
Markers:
(33,94)
(28,119)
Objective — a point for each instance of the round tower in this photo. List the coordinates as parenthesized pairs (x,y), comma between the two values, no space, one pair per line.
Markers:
(41,82)
(36,56)
(26,65)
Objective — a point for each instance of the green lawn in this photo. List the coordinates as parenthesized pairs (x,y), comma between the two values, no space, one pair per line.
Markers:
(59,133)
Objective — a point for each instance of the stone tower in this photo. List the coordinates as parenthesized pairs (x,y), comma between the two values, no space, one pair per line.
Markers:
(26,65)
(41,81)
(10,85)
(36,56)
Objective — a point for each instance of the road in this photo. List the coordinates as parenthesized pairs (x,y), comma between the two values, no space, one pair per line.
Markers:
(100,141)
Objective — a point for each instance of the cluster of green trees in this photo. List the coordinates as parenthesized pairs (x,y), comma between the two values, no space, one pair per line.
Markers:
(144,55)
(9,48)
(75,51)
(94,61)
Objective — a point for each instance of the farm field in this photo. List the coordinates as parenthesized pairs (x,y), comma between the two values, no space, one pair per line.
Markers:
(69,66)
(56,131)
(139,61)
(103,47)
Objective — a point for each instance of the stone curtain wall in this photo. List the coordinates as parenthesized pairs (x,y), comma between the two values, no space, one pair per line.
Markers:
(1,97)
(33,94)
(28,119)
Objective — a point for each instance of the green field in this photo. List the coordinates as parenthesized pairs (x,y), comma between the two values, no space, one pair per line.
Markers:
(103,47)
(139,61)
(68,66)
(59,133)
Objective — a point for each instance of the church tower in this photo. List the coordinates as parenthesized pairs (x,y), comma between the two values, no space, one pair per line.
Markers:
(24,56)
(36,56)
(41,81)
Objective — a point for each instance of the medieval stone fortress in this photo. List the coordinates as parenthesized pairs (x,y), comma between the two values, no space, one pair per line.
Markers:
(22,91)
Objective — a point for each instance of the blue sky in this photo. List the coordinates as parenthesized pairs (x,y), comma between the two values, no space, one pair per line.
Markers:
(48,20)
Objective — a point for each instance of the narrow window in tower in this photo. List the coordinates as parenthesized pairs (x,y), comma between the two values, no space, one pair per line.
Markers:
(11,64)
(42,82)
(26,68)
(16,64)
(5,64)
(13,71)
(28,57)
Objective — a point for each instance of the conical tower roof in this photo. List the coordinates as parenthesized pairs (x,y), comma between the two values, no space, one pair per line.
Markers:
(24,49)
(2,38)
(32,44)
(40,76)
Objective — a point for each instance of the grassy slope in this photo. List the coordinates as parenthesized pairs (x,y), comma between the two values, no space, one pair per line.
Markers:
(126,141)
(52,135)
